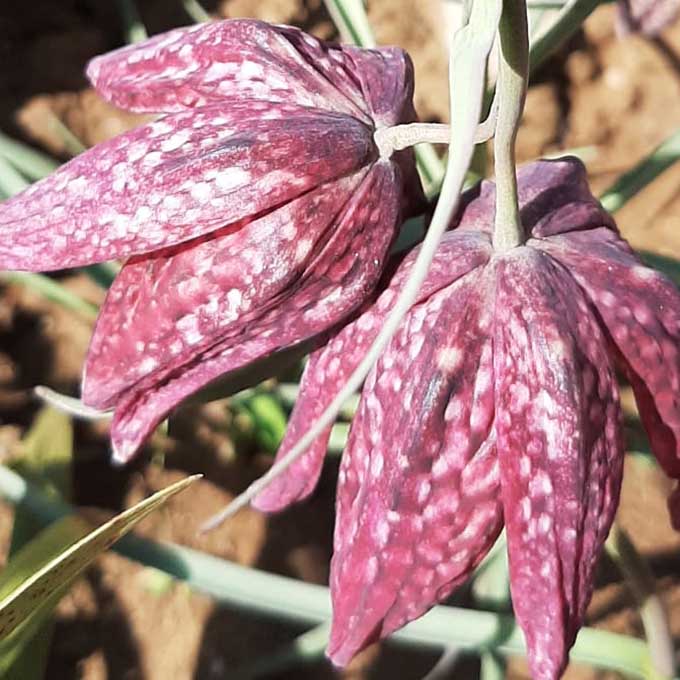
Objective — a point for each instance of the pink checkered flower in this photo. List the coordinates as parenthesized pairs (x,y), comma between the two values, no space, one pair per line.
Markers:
(496,403)
(649,17)
(254,213)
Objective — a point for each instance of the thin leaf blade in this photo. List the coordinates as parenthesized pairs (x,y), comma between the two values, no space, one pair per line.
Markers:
(21,600)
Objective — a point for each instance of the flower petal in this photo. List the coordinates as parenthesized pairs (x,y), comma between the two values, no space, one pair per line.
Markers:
(386,79)
(176,304)
(640,309)
(210,63)
(558,428)
(418,500)
(648,17)
(380,82)
(332,286)
(329,368)
(175,179)
(553,197)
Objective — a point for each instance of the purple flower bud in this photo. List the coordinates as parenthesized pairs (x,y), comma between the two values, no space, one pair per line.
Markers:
(495,403)
(256,211)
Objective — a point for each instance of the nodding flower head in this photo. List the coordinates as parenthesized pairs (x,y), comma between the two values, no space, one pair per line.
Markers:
(495,404)
(254,213)
(648,17)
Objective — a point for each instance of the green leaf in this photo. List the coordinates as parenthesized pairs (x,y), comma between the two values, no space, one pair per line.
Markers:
(306,648)
(647,170)
(71,143)
(47,452)
(568,21)
(11,180)
(52,290)
(287,598)
(351,20)
(133,26)
(641,581)
(45,567)
(195,10)
(269,419)
(34,164)
(23,651)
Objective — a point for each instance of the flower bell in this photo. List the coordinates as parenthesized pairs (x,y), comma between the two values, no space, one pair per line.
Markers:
(648,17)
(254,214)
(495,404)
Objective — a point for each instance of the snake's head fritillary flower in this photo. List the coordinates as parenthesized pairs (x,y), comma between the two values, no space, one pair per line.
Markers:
(648,17)
(496,403)
(254,213)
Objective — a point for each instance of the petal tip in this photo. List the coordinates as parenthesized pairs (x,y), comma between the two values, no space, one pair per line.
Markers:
(122,452)
(345,644)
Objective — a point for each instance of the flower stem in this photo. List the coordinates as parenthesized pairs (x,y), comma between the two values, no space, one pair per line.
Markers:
(277,596)
(641,581)
(469,54)
(399,137)
(513,75)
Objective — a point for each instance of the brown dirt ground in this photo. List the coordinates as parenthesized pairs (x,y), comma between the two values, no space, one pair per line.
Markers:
(619,97)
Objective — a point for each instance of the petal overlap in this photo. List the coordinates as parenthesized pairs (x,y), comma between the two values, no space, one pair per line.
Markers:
(173,305)
(418,503)
(332,286)
(495,403)
(176,179)
(256,218)
(255,214)
(329,367)
(558,428)
(242,60)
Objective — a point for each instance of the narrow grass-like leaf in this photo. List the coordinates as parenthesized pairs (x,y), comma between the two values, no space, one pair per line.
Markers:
(566,23)
(47,452)
(34,164)
(287,598)
(640,579)
(133,26)
(338,439)
(52,290)
(31,635)
(195,10)
(11,180)
(306,648)
(635,180)
(46,455)
(349,16)
(71,143)
(54,564)
(103,273)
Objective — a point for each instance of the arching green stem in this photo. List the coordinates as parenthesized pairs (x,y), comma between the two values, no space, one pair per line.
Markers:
(513,75)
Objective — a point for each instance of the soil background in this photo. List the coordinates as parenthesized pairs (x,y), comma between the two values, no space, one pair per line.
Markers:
(617,97)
